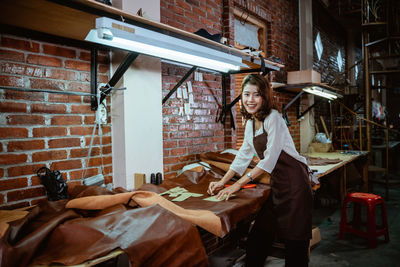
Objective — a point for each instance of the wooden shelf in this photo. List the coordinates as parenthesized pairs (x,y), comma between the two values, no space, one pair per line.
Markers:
(73,19)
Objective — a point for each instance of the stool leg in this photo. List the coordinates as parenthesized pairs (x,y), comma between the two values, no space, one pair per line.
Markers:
(385,223)
(357,215)
(371,226)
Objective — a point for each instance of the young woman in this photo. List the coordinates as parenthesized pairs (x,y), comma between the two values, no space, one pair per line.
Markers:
(288,210)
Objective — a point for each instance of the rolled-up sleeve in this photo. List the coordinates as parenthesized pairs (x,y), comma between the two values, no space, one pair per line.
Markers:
(276,135)
(245,153)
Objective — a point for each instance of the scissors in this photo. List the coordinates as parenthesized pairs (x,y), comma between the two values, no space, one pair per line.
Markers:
(244,186)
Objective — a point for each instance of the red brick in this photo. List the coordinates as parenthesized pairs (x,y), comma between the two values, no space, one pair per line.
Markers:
(65,98)
(48,108)
(44,60)
(100,58)
(107,150)
(24,119)
(66,120)
(49,155)
(15,95)
(25,194)
(8,184)
(20,69)
(103,68)
(20,44)
(178,151)
(11,81)
(1,173)
(77,65)
(89,119)
(49,131)
(82,152)
(25,145)
(46,84)
(82,109)
(59,51)
(74,175)
(35,180)
(23,170)
(12,107)
(13,132)
(107,169)
(79,87)
(171,160)
(170,144)
(66,165)
(64,142)
(11,55)
(82,130)
(60,74)
(12,159)
(1,199)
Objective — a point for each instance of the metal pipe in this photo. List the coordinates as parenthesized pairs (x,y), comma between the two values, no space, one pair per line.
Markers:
(45,91)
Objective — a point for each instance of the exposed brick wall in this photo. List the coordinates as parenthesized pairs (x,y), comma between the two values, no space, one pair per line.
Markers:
(333,38)
(46,129)
(184,139)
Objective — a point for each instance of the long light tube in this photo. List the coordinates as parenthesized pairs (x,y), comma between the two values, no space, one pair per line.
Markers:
(316,90)
(133,38)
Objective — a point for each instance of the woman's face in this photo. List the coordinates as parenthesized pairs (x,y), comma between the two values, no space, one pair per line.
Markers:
(252,100)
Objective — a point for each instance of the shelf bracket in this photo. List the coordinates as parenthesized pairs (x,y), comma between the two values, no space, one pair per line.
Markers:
(107,89)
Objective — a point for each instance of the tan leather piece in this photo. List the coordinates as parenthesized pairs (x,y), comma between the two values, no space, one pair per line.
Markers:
(98,202)
(203,218)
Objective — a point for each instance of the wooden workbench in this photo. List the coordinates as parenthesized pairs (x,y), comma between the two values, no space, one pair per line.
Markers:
(346,157)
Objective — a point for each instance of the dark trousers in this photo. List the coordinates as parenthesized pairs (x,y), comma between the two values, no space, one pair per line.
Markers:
(262,235)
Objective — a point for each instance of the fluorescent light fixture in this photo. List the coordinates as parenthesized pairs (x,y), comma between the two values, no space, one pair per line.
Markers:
(325,93)
(122,35)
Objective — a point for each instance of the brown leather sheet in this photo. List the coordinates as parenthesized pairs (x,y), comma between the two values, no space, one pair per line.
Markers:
(313,161)
(223,157)
(151,236)
(246,202)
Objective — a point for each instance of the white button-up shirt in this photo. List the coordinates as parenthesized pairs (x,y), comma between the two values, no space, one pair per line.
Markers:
(279,139)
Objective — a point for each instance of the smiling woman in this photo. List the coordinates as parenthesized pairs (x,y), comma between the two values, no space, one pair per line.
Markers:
(267,136)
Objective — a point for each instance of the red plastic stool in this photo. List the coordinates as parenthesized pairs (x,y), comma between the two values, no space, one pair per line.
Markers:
(372,231)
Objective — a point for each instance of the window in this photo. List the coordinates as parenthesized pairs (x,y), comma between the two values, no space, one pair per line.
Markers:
(318,46)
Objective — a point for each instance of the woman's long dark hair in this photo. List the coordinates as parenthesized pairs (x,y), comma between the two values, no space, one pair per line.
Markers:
(265,91)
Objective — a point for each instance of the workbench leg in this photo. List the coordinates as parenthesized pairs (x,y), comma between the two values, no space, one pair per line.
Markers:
(343,184)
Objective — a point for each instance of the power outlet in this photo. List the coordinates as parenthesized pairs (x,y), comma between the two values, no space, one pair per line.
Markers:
(101,114)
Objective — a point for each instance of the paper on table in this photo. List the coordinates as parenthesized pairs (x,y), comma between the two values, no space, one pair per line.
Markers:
(214,198)
(182,197)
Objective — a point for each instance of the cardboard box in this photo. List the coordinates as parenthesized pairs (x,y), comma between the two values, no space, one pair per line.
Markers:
(303,76)
(140,179)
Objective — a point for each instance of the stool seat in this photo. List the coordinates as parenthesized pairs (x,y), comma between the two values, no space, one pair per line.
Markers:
(370,201)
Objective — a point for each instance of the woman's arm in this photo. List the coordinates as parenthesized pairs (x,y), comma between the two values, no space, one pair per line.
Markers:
(242,181)
(220,184)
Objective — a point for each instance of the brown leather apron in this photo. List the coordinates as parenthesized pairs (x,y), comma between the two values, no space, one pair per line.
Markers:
(291,192)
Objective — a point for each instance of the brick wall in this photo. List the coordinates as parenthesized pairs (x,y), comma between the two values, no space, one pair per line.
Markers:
(58,132)
(184,139)
(333,38)
(46,129)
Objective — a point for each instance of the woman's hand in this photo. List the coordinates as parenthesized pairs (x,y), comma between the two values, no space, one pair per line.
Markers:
(214,186)
(228,191)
